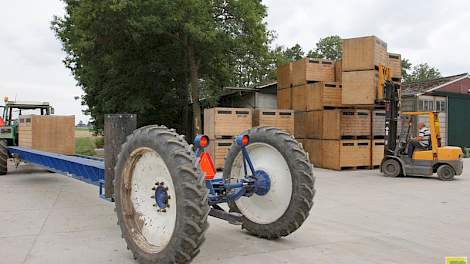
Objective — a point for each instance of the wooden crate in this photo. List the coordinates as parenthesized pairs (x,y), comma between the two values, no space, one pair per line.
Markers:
(359,87)
(316,96)
(378,123)
(337,124)
(284,98)
(313,148)
(299,125)
(363,53)
(394,63)
(54,134)
(220,122)
(282,119)
(218,149)
(343,154)
(312,70)
(284,76)
(338,71)
(377,151)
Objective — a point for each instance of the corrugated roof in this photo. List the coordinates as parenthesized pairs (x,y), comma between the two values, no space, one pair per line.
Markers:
(429,85)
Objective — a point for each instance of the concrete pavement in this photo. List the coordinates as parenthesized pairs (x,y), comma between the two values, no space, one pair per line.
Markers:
(358,217)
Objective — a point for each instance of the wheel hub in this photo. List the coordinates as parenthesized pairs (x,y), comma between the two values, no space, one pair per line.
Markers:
(161,197)
(262,183)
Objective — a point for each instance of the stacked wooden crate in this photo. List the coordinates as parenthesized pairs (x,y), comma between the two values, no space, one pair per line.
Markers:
(54,134)
(336,102)
(221,125)
(282,119)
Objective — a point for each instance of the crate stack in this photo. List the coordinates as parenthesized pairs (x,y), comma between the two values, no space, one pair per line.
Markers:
(339,115)
(221,125)
(282,119)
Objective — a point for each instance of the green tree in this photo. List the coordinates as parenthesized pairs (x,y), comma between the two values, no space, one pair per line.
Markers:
(327,48)
(405,67)
(156,57)
(423,72)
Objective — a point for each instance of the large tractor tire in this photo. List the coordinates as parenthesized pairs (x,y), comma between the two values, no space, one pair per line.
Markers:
(160,196)
(284,208)
(3,157)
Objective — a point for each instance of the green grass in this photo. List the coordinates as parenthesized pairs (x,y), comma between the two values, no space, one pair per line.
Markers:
(85,146)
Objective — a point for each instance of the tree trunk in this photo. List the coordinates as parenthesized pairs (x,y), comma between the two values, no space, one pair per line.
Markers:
(195,87)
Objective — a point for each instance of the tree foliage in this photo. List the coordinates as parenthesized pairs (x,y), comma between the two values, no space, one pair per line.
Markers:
(327,48)
(155,58)
(421,72)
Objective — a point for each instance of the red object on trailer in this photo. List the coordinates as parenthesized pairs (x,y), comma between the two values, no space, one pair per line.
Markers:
(2,122)
(207,165)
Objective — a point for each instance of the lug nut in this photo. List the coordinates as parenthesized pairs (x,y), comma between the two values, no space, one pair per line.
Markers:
(169,197)
(154,205)
(153,188)
(166,189)
(153,196)
(163,210)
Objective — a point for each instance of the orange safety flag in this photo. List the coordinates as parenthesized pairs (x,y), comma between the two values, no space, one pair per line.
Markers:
(2,122)
(207,165)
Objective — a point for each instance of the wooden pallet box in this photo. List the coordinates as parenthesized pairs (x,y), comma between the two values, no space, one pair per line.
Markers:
(337,123)
(54,134)
(312,70)
(341,154)
(394,63)
(338,71)
(284,98)
(377,151)
(284,76)
(316,96)
(364,53)
(218,149)
(219,122)
(313,148)
(282,119)
(299,125)
(359,87)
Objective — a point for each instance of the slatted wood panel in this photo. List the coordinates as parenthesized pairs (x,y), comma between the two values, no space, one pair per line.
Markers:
(338,71)
(377,151)
(54,134)
(220,122)
(284,98)
(313,148)
(299,125)
(378,123)
(340,154)
(337,123)
(363,53)
(282,119)
(284,76)
(218,149)
(312,70)
(394,62)
(316,96)
(359,87)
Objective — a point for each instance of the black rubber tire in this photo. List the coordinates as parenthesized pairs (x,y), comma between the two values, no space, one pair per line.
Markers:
(191,195)
(303,182)
(391,168)
(3,157)
(445,172)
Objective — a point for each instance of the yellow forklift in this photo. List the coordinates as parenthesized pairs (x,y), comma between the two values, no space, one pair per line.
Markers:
(446,161)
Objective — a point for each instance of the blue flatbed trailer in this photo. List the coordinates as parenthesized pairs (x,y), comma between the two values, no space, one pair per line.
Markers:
(87,169)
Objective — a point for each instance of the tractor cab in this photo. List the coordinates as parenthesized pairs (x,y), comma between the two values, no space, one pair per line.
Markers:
(11,112)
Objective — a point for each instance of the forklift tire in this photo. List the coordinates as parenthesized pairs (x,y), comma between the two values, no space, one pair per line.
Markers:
(3,157)
(445,173)
(287,204)
(391,168)
(160,197)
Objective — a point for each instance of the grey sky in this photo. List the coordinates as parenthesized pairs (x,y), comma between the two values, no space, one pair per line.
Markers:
(430,31)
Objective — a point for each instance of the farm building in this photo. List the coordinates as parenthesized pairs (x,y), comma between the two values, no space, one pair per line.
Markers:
(450,96)
(261,96)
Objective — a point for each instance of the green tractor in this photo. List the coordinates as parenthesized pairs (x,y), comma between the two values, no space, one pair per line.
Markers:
(9,124)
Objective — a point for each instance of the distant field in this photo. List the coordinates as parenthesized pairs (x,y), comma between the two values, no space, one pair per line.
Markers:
(86,142)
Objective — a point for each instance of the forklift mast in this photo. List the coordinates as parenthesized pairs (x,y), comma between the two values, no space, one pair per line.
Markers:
(392,104)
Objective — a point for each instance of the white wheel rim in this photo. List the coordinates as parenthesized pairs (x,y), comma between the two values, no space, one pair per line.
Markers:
(268,208)
(157,227)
